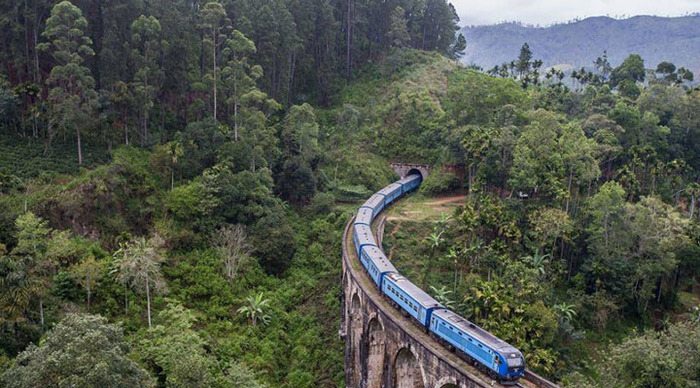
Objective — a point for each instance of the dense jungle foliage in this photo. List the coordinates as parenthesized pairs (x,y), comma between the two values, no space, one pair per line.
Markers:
(579,239)
(175,178)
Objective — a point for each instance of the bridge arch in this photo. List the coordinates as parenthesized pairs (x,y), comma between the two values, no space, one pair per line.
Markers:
(408,372)
(376,350)
(448,382)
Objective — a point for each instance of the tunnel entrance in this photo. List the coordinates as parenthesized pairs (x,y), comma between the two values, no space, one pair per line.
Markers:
(415,171)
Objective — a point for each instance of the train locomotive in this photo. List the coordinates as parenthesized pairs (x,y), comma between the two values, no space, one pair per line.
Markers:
(492,354)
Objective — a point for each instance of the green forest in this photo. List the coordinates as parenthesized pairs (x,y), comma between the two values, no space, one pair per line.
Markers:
(175,177)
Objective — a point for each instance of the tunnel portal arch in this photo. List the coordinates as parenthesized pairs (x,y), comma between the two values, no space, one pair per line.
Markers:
(405,169)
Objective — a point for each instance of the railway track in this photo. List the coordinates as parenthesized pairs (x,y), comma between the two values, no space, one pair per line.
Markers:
(530,380)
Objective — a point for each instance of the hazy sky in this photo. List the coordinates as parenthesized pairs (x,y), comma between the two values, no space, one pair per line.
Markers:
(550,11)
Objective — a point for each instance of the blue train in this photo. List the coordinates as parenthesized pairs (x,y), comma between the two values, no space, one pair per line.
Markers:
(491,353)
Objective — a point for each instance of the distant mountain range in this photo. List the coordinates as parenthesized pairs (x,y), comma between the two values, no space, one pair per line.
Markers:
(579,43)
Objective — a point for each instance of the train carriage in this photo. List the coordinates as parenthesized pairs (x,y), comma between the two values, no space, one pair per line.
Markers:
(362,236)
(364,216)
(416,302)
(376,264)
(376,203)
(391,193)
(490,351)
(410,183)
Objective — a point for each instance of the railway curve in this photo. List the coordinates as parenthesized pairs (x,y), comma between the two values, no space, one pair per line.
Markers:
(384,348)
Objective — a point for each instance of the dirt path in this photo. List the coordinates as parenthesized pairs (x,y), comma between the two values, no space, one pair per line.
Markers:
(427,209)
(447,200)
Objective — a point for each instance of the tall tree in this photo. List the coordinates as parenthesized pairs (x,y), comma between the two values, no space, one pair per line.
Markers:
(300,149)
(214,22)
(146,42)
(233,247)
(457,49)
(88,273)
(238,75)
(31,262)
(602,64)
(72,97)
(398,30)
(138,266)
(578,158)
(631,69)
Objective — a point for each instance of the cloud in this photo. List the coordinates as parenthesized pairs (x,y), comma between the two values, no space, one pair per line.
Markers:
(544,12)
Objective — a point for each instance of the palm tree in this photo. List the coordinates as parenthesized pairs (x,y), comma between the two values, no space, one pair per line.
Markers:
(138,266)
(442,295)
(175,151)
(444,220)
(17,287)
(435,240)
(565,311)
(538,262)
(255,309)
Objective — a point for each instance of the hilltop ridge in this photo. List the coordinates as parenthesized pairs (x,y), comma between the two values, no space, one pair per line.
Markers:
(578,43)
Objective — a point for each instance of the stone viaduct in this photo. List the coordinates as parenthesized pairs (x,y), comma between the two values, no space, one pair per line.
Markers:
(385,349)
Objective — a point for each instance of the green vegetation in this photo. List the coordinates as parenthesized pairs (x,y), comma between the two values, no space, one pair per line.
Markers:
(580,229)
(174,180)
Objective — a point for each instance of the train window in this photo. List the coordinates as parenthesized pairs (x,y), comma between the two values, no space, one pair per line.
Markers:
(514,362)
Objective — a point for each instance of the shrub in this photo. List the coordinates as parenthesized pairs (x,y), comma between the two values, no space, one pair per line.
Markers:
(322,203)
(439,182)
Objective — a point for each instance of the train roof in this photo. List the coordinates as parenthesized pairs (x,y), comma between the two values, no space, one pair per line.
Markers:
(373,201)
(364,215)
(415,292)
(389,189)
(482,335)
(380,260)
(375,252)
(364,235)
(409,178)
